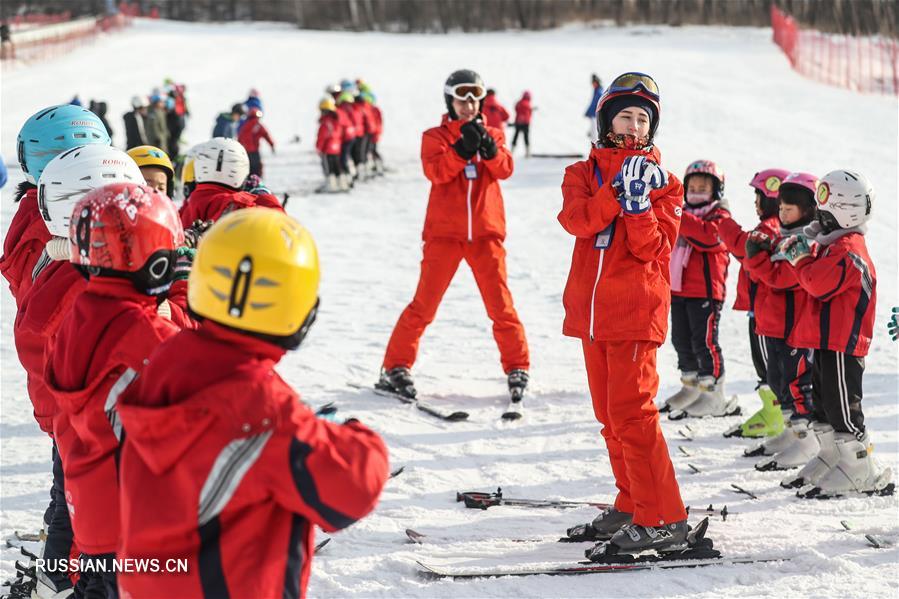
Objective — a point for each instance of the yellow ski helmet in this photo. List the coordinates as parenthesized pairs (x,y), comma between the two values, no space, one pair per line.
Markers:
(152,156)
(256,270)
(327,103)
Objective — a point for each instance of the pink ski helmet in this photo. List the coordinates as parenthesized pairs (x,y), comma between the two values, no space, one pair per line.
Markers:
(768,181)
(806,180)
(707,167)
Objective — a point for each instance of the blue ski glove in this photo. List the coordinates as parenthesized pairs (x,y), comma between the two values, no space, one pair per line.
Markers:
(794,249)
(893,324)
(637,178)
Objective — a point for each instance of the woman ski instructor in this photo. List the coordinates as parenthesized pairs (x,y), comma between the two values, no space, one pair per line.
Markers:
(464,160)
(624,210)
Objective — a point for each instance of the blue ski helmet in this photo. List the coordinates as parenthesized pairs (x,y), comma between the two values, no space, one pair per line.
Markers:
(54,130)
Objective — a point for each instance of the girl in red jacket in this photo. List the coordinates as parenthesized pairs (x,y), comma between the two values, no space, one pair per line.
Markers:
(124,237)
(624,210)
(523,112)
(327,144)
(464,161)
(223,466)
(768,421)
(698,274)
(250,136)
(837,272)
(779,306)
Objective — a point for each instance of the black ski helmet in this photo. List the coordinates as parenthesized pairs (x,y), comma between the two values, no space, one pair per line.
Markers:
(456,78)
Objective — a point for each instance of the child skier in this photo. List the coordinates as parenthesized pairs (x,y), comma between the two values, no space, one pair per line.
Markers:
(223,466)
(767,421)
(623,210)
(780,302)
(252,132)
(698,273)
(464,161)
(523,113)
(346,117)
(220,169)
(839,275)
(124,236)
(327,145)
(495,114)
(156,168)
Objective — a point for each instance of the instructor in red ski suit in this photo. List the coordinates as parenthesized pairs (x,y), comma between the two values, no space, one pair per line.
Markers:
(618,293)
(465,220)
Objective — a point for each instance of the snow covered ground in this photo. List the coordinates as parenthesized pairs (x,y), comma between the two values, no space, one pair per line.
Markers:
(728,94)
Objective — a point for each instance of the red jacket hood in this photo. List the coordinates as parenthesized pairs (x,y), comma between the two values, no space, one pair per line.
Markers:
(25,240)
(171,408)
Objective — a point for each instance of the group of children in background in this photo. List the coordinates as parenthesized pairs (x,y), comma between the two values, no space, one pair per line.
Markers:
(244,123)
(158,119)
(126,323)
(349,129)
(495,115)
(809,288)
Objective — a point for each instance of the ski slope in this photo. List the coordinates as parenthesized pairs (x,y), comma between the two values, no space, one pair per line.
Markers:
(727,94)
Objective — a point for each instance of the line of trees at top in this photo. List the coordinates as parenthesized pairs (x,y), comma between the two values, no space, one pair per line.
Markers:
(857,17)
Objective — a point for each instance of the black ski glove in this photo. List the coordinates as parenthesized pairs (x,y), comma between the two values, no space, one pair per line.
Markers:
(193,233)
(467,145)
(488,147)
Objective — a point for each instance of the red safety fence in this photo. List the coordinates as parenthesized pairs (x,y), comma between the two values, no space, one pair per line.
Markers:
(52,38)
(861,63)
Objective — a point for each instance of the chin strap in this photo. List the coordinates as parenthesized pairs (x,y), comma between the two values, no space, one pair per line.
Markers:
(58,248)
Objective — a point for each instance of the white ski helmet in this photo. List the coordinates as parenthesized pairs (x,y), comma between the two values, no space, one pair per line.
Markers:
(69,176)
(221,160)
(844,199)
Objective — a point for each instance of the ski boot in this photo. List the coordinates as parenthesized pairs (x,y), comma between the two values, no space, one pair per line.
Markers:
(856,473)
(343,182)
(606,524)
(767,422)
(518,382)
(711,401)
(773,445)
(397,380)
(688,393)
(803,448)
(675,541)
(330,185)
(827,457)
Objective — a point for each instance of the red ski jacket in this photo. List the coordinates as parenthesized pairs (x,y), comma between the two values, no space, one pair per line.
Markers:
(523,110)
(329,134)
(211,201)
(379,123)
(25,240)
(252,132)
(101,347)
(368,116)
(357,114)
(494,113)
(734,237)
(779,301)
(459,207)
(346,120)
(843,285)
(706,271)
(223,466)
(622,292)
(40,314)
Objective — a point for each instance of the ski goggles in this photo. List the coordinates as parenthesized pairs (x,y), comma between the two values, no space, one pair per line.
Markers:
(466,91)
(631,82)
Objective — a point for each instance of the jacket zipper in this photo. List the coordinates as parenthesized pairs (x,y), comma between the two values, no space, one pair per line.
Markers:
(468,202)
(602,254)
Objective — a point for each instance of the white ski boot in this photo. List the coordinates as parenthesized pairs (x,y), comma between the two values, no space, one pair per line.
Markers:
(711,401)
(773,445)
(343,183)
(827,457)
(857,473)
(688,393)
(803,448)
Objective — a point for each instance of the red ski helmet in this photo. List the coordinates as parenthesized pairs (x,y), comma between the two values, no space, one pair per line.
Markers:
(640,87)
(127,230)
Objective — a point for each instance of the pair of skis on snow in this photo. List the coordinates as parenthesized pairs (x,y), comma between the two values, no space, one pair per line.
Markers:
(514,412)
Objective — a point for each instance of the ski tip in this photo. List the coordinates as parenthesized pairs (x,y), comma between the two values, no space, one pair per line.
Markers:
(457,416)
(845,525)
(511,416)
(321,545)
(415,536)
(397,472)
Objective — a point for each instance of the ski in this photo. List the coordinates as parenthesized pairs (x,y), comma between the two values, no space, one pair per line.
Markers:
(397,472)
(482,500)
(742,491)
(29,537)
(321,545)
(586,567)
(426,408)
(873,540)
(514,410)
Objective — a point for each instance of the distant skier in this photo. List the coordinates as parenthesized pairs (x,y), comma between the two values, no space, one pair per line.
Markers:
(136,123)
(327,144)
(495,114)
(624,210)
(227,123)
(594,100)
(465,220)
(252,132)
(523,111)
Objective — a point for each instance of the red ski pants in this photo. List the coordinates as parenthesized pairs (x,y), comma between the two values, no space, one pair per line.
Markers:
(487,259)
(623,384)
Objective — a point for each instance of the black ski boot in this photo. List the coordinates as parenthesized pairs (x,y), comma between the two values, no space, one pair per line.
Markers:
(606,524)
(518,382)
(398,380)
(670,542)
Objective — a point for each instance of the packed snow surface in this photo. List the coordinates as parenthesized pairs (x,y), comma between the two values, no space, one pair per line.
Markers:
(727,94)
